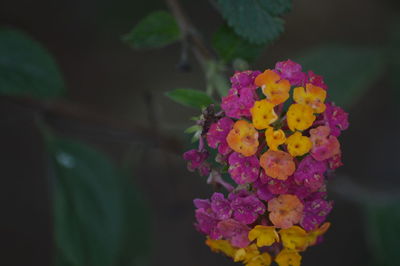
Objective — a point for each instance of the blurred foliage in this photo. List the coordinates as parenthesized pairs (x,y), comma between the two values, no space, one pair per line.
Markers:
(26,68)
(230,46)
(191,98)
(99,217)
(156,30)
(394,60)
(257,21)
(348,70)
(383,231)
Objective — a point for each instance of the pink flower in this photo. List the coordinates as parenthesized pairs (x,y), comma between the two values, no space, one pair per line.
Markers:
(291,71)
(244,79)
(310,173)
(315,211)
(263,191)
(316,80)
(276,186)
(196,160)
(216,135)
(238,103)
(335,161)
(243,169)
(336,118)
(234,231)
(207,223)
(241,96)
(221,206)
(246,209)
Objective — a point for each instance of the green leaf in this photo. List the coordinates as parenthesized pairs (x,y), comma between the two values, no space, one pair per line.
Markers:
(156,30)
(255,20)
(349,71)
(190,98)
(230,46)
(383,231)
(99,218)
(26,68)
(193,129)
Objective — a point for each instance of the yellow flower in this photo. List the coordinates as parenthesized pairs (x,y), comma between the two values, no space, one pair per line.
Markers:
(314,234)
(294,238)
(265,235)
(263,114)
(275,88)
(288,258)
(300,116)
(312,96)
(220,245)
(260,260)
(274,138)
(246,254)
(298,144)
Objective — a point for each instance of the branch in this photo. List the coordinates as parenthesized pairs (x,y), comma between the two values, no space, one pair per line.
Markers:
(107,126)
(189,32)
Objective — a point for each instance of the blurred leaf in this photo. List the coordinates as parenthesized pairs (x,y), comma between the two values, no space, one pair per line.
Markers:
(26,68)
(276,7)
(216,79)
(231,46)
(190,98)
(99,218)
(193,129)
(383,232)
(156,30)
(255,20)
(394,61)
(349,71)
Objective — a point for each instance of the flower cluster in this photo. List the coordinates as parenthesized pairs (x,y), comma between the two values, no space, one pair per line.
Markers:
(276,138)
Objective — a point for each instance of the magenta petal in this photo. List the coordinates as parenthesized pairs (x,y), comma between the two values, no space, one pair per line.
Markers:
(243,169)
(221,206)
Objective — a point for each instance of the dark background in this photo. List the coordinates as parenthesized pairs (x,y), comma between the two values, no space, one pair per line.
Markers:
(108,77)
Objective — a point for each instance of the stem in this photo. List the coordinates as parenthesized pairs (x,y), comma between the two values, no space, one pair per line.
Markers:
(189,33)
(95,122)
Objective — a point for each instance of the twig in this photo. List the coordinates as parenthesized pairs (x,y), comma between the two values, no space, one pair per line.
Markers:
(108,126)
(189,33)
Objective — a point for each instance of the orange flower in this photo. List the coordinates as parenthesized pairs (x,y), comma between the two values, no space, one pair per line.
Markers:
(243,138)
(325,146)
(312,96)
(314,234)
(278,164)
(275,88)
(285,210)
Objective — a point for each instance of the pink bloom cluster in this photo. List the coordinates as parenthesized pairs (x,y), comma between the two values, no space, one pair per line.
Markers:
(280,201)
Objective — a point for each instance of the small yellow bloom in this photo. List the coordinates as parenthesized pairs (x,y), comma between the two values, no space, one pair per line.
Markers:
(288,258)
(314,234)
(246,254)
(274,138)
(265,235)
(312,96)
(298,144)
(260,260)
(263,114)
(300,116)
(220,245)
(275,88)
(294,238)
